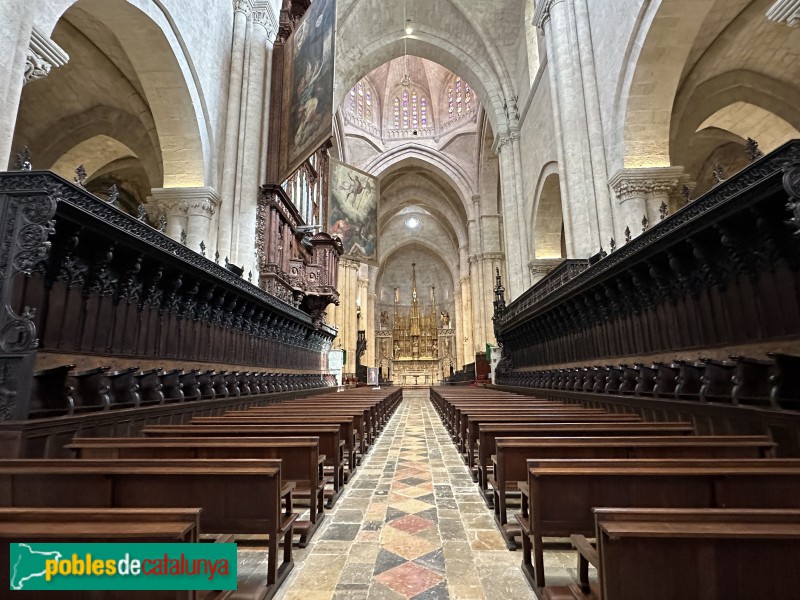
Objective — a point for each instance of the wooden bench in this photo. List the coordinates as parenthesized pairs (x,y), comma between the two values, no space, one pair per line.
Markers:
(361,420)
(510,466)
(60,525)
(491,431)
(237,496)
(346,429)
(331,446)
(703,554)
(301,461)
(474,423)
(561,494)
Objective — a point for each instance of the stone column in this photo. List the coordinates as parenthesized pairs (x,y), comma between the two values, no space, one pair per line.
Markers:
(553,18)
(348,292)
(26,54)
(514,238)
(465,342)
(372,350)
(187,210)
(566,207)
(241,12)
(476,282)
(640,193)
(597,150)
(490,263)
(362,323)
(246,191)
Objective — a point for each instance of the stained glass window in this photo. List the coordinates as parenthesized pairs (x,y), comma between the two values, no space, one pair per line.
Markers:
(459,99)
(360,103)
(410,110)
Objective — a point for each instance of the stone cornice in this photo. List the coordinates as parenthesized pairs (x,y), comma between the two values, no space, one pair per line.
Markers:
(43,54)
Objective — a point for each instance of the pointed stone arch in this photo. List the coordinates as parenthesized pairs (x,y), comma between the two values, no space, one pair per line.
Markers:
(157,52)
(656,55)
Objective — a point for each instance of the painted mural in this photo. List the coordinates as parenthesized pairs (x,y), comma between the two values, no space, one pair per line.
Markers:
(353,211)
(310,89)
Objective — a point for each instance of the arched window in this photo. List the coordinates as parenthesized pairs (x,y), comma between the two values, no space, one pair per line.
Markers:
(459,99)
(360,103)
(410,110)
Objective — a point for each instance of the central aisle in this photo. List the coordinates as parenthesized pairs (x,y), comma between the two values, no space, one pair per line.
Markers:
(411,525)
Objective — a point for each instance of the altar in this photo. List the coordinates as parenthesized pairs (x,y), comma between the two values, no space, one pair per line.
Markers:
(417,372)
(418,348)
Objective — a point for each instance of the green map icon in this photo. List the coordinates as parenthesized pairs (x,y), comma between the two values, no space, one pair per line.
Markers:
(29,564)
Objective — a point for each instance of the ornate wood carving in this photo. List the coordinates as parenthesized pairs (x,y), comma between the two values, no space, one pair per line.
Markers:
(111,283)
(724,269)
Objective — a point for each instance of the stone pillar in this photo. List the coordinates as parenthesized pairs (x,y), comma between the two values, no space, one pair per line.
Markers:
(465,342)
(556,19)
(597,150)
(247,188)
(491,262)
(372,350)
(346,313)
(515,237)
(26,54)
(640,193)
(241,12)
(566,208)
(476,282)
(187,210)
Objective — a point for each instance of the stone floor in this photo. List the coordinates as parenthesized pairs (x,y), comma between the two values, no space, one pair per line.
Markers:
(412,525)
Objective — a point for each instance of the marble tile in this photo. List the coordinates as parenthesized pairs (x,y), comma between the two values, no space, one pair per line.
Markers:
(410,579)
(411,525)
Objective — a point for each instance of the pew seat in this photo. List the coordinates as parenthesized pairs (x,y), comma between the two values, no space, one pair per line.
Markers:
(237,497)
(704,554)
(562,493)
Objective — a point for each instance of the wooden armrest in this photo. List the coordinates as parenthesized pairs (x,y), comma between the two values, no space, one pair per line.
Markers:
(587,554)
(522,486)
(585,549)
(287,523)
(321,458)
(287,487)
(524,523)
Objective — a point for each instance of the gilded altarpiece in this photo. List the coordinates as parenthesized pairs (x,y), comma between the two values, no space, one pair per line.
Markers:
(416,343)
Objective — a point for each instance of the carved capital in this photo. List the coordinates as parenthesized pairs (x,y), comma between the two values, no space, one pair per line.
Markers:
(263,16)
(641,183)
(785,11)
(43,54)
(181,202)
(243,6)
(542,13)
(506,140)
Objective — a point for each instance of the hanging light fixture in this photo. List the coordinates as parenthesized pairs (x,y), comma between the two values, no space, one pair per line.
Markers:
(406,80)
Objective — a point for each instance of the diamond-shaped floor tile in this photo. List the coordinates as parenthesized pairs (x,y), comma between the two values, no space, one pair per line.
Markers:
(406,545)
(387,560)
(411,524)
(409,579)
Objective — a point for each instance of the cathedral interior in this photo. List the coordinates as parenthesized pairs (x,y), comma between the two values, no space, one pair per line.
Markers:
(236,213)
